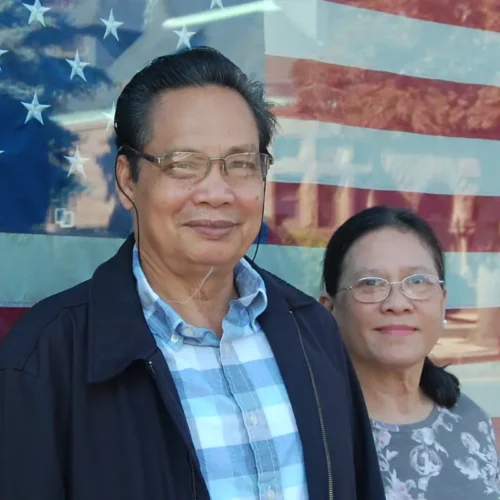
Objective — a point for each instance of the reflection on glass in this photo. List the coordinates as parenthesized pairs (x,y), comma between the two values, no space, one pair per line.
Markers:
(377,105)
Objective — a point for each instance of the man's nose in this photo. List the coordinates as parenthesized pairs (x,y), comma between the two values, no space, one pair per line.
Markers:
(214,188)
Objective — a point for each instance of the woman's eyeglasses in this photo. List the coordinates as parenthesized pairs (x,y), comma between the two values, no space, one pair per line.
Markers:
(370,290)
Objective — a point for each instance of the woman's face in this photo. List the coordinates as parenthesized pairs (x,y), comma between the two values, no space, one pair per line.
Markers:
(397,332)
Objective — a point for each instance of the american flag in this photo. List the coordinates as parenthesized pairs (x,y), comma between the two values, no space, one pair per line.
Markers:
(380,101)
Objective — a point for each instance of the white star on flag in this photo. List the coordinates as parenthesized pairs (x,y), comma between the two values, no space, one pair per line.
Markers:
(77,67)
(2,151)
(76,162)
(35,109)
(2,52)
(110,115)
(184,37)
(37,12)
(111,25)
(216,3)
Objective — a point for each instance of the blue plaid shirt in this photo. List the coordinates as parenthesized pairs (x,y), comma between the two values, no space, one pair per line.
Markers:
(232,393)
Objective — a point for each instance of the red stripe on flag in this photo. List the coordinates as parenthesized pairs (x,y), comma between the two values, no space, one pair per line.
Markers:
(307,214)
(382,100)
(479,14)
(8,316)
(470,336)
(474,326)
(496,426)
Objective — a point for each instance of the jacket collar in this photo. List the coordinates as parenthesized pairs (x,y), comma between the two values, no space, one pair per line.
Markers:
(118,332)
(119,335)
(293,297)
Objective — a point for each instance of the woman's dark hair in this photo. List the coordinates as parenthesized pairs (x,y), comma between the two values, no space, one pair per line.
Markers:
(438,384)
(197,67)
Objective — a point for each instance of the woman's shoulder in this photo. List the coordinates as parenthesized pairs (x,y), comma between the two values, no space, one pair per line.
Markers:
(468,409)
(465,415)
(468,419)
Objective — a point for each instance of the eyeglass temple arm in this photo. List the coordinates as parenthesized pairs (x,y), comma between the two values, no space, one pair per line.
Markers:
(146,156)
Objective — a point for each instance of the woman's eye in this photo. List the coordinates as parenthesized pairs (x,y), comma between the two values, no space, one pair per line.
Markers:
(417,279)
(371,282)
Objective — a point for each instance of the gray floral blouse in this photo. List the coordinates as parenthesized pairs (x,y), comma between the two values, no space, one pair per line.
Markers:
(451,455)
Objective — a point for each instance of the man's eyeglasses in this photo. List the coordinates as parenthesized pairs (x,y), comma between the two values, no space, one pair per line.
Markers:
(415,287)
(191,166)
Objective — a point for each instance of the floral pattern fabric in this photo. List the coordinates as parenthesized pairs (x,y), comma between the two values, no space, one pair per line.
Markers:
(451,455)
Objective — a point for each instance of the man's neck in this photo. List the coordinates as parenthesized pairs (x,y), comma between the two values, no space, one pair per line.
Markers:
(393,396)
(201,295)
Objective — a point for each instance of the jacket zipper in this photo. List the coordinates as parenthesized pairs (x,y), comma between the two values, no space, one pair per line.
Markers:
(326,448)
(193,481)
(151,369)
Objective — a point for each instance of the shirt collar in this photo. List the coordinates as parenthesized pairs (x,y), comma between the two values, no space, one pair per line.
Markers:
(161,317)
(114,307)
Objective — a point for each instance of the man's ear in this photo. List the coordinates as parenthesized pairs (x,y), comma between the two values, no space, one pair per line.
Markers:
(326,301)
(124,182)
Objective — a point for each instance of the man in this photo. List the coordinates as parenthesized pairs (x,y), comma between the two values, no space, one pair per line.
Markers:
(181,369)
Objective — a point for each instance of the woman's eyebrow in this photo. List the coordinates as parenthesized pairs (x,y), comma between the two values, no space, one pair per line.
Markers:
(367,270)
(374,272)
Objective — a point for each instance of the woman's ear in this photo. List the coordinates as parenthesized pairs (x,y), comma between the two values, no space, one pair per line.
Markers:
(326,301)
(445,293)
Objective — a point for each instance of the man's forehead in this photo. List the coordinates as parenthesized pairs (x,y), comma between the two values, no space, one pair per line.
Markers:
(211,121)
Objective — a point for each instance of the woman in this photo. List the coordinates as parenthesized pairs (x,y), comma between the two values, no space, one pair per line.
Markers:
(384,278)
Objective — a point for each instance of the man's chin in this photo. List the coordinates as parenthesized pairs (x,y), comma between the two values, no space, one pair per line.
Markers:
(217,255)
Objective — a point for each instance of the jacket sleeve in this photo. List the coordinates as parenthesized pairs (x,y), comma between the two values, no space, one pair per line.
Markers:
(369,484)
(30,462)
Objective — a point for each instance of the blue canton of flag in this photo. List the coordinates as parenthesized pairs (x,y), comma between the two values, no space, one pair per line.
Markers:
(63,64)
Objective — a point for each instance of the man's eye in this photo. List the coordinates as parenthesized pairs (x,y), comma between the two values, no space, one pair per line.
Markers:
(184,165)
(242,165)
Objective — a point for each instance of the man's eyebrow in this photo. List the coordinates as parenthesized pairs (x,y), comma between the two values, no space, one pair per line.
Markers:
(241,148)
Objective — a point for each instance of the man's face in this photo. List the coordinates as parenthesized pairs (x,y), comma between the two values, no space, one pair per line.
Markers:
(209,221)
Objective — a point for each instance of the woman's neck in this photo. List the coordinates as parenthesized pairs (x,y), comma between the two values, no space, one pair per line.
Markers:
(393,396)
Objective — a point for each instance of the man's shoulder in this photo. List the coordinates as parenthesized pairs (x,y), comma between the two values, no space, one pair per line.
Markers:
(56,314)
(292,294)
(306,306)
(296,298)
(47,310)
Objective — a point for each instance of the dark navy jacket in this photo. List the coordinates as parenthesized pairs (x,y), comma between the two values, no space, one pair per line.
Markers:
(89,409)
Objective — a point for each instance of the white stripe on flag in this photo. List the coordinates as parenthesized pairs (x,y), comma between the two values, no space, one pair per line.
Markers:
(329,153)
(350,36)
(41,265)
(480,381)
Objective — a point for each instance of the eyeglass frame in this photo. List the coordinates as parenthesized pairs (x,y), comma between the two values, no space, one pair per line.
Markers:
(157,160)
(389,288)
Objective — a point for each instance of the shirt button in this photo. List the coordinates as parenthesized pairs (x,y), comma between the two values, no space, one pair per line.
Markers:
(270,494)
(188,331)
(175,338)
(253,419)
(225,350)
